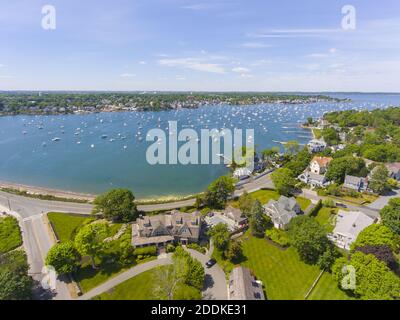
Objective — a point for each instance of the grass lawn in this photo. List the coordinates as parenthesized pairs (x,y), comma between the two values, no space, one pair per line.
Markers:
(323,290)
(65,225)
(10,234)
(141,288)
(284,276)
(326,217)
(317,133)
(303,202)
(136,288)
(265,195)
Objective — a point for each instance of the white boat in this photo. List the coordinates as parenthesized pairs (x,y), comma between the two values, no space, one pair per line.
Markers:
(55,139)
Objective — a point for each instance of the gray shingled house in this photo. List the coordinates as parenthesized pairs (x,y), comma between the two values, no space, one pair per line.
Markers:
(282,211)
(243,286)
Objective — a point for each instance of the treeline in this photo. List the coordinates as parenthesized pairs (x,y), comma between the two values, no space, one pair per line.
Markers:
(68,102)
(374,135)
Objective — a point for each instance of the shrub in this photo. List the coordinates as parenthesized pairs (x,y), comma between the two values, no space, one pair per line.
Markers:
(278,236)
(145,252)
(170,247)
(329,203)
(197,247)
(314,211)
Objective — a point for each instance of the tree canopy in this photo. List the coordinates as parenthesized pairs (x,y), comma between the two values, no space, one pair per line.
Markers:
(218,192)
(390,215)
(116,205)
(284,181)
(63,257)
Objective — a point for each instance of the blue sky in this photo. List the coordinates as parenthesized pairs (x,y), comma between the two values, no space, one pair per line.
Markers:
(216,45)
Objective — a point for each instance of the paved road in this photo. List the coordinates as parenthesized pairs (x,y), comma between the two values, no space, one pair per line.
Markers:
(37,243)
(374,213)
(125,276)
(384,200)
(215,287)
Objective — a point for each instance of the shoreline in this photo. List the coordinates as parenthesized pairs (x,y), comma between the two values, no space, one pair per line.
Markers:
(80,196)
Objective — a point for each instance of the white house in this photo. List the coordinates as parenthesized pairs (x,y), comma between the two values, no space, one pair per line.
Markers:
(242,173)
(348,227)
(319,165)
(313,179)
(282,211)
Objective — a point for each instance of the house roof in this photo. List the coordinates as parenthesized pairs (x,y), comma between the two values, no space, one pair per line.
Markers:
(322,161)
(173,224)
(235,214)
(283,210)
(393,167)
(354,180)
(350,224)
(243,286)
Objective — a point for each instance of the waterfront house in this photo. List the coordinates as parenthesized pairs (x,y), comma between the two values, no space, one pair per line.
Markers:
(237,216)
(314,180)
(359,184)
(348,226)
(394,170)
(315,146)
(319,165)
(161,229)
(243,286)
(282,211)
(242,173)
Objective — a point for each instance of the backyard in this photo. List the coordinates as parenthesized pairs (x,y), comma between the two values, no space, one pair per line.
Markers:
(284,276)
(327,217)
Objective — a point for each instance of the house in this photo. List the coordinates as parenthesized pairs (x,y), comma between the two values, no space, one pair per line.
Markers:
(243,286)
(315,146)
(237,216)
(162,229)
(348,226)
(282,211)
(359,184)
(233,218)
(242,173)
(322,124)
(313,179)
(319,165)
(394,170)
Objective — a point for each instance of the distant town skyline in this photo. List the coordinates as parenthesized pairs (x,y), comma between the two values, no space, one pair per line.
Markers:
(209,45)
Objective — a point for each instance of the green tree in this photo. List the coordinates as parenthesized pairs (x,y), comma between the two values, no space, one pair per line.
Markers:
(328,258)
(220,236)
(374,280)
(246,202)
(308,237)
(234,251)
(283,181)
(377,234)
(90,240)
(64,258)
(116,205)
(292,147)
(330,136)
(379,180)
(340,167)
(390,215)
(259,221)
(218,192)
(15,286)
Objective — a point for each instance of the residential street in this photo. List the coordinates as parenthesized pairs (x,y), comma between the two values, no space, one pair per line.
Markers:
(384,200)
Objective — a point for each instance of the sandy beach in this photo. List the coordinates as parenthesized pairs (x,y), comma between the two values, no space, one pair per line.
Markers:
(47,191)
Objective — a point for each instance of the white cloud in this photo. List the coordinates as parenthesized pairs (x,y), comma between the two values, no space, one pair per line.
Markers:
(128,75)
(193,64)
(241,70)
(256,45)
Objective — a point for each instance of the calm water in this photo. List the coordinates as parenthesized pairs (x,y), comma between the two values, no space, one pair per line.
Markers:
(96,164)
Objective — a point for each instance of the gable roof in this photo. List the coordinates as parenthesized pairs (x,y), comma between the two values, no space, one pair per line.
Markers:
(234,214)
(282,210)
(322,161)
(354,180)
(243,286)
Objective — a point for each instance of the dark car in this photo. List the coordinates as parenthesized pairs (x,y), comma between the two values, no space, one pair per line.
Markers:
(210,263)
(341,205)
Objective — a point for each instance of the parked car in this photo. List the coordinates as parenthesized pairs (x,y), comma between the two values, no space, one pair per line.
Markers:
(210,263)
(341,205)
